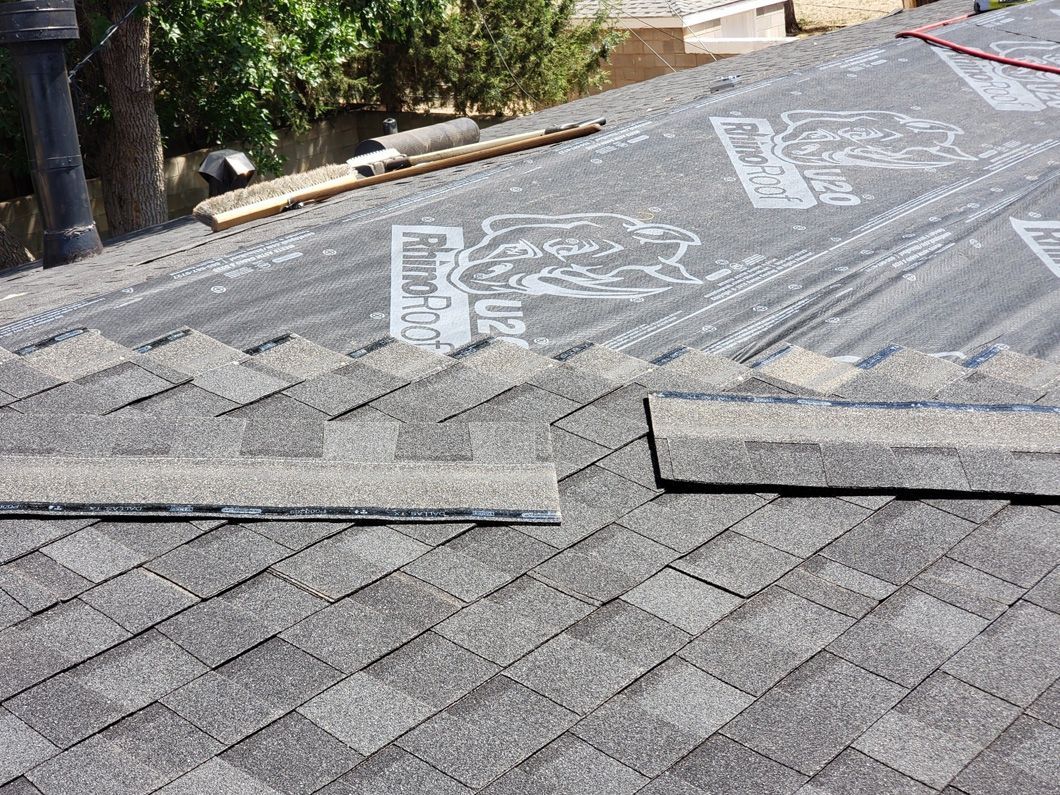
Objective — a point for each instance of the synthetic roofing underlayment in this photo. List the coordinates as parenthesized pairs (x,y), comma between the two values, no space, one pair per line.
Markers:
(904,193)
(832,569)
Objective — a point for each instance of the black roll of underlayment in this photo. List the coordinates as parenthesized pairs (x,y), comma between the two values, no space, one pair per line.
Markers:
(433,138)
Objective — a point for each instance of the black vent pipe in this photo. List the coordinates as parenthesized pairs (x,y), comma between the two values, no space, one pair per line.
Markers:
(35,32)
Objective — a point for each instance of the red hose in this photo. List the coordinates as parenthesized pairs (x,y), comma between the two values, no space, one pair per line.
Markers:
(922,34)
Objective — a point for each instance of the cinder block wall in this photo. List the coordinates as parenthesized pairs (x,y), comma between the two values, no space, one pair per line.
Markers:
(634,60)
(329,141)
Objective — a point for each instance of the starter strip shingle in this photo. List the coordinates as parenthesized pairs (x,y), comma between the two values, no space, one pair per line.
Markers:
(926,445)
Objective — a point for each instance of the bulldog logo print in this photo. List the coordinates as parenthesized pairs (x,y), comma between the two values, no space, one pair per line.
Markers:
(805,162)
(441,289)
(575,256)
(1011,88)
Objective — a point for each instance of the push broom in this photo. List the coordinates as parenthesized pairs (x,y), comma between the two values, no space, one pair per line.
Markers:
(383,165)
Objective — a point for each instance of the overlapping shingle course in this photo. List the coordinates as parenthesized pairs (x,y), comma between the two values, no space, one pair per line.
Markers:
(659,639)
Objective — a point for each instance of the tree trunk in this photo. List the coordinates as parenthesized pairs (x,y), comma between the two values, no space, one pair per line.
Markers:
(12,252)
(131,165)
(791,25)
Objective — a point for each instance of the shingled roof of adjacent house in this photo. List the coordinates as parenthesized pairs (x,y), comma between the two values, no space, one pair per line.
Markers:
(278,566)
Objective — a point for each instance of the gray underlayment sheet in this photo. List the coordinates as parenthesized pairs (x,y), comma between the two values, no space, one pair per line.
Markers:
(157,466)
(720,439)
(904,195)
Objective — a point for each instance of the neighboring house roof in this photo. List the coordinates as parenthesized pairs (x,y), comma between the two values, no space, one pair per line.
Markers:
(847,580)
(652,9)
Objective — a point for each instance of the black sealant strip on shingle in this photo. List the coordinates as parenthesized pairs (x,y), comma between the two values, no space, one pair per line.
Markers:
(171,337)
(670,356)
(839,441)
(50,341)
(985,355)
(268,345)
(278,488)
(880,356)
(571,352)
(372,346)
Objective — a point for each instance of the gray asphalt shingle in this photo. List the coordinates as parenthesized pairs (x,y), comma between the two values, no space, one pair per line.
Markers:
(598,656)
(292,756)
(937,730)
(662,716)
(765,639)
(513,620)
(488,732)
(815,713)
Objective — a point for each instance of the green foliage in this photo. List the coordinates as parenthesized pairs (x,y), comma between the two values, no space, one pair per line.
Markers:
(235,70)
(507,56)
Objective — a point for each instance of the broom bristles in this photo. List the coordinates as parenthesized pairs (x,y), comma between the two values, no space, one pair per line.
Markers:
(208,209)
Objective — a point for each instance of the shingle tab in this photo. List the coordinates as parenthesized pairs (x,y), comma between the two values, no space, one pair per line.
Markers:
(801,525)
(21,748)
(1020,544)
(45,644)
(606,564)
(138,599)
(765,639)
(220,628)
(248,692)
(479,561)
(899,541)
(395,772)
(372,622)
(1022,759)
(571,766)
(737,563)
(292,756)
(339,565)
(851,773)
(721,765)
(937,729)
(374,707)
(598,656)
(908,636)
(109,548)
(19,536)
(1015,657)
(37,582)
(814,713)
(513,620)
(218,560)
(685,602)
(967,588)
(487,732)
(685,521)
(662,716)
(80,702)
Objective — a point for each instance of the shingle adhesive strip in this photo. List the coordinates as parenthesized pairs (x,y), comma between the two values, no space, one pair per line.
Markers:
(707,438)
(69,469)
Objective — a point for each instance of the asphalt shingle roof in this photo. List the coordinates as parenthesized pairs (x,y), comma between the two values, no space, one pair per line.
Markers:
(660,639)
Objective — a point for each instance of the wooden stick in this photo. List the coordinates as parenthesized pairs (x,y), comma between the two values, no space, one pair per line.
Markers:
(325,190)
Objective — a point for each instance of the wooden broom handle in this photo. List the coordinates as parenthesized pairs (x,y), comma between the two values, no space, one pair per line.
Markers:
(325,190)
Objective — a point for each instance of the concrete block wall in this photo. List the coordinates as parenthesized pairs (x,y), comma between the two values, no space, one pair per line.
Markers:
(651,52)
